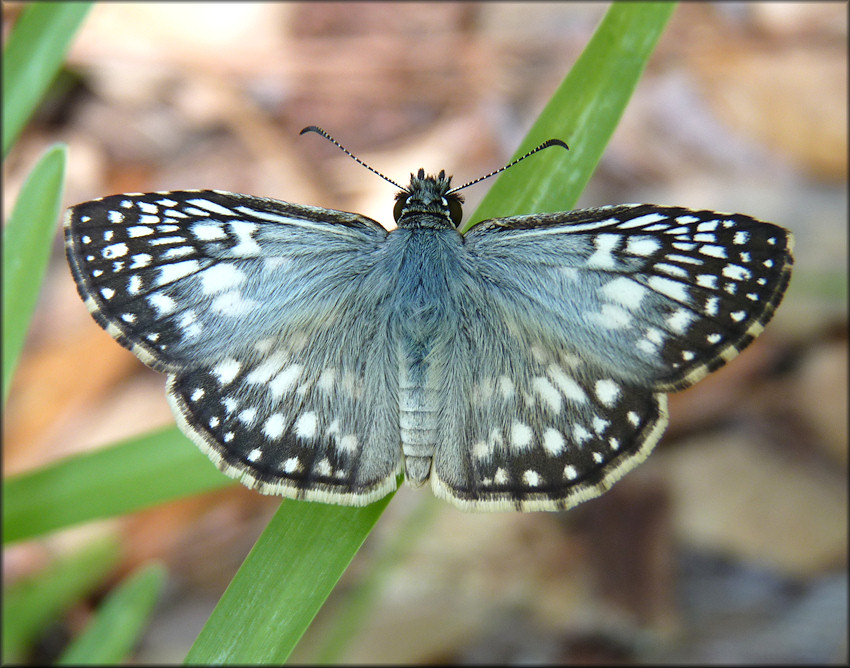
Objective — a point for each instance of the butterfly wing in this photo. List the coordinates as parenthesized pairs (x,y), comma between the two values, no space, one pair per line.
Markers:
(661,294)
(255,308)
(592,316)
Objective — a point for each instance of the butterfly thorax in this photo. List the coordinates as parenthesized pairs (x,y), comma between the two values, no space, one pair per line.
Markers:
(428,202)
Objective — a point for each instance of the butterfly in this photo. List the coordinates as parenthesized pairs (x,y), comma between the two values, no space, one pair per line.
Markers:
(525,365)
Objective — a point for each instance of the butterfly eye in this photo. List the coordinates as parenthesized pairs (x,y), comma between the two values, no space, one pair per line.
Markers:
(399,207)
(455,210)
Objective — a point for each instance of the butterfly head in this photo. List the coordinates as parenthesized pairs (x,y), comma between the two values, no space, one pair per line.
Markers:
(428,202)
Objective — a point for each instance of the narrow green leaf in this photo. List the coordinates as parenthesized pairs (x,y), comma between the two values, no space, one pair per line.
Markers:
(30,605)
(272,601)
(583,112)
(136,474)
(26,249)
(33,55)
(283,582)
(120,620)
(360,600)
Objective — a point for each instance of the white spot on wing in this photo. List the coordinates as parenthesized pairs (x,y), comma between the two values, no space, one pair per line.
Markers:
(713,251)
(180,251)
(553,441)
(326,380)
(741,237)
(233,304)
(348,443)
(221,277)
(610,316)
(642,246)
(244,231)
(306,425)
(531,478)
(580,434)
(274,426)
(162,303)
(602,257)
(226,370)
(600,425)
(173,272)
(607,391)
(678,321)
(506,387)
(267,369)
(211,206)
(668,287)
(208,232)
(624,291)
(140,260)
(707,281)
(672,270)
(521,435)
(646,219)
(114,250)
(285,380)
(548,393)
(736,272)
(569,387)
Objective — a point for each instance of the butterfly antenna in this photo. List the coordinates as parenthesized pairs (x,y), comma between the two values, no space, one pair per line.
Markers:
(545,144)
(319,131)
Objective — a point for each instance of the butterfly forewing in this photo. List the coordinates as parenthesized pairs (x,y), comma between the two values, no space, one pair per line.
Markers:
(524,366)
(661,295)
(182,277)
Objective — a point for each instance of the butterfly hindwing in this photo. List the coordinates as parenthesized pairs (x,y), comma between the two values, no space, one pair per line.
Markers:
(540,429)
(304,418)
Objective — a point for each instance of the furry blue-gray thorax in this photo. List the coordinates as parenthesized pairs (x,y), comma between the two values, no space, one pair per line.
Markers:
(428,202)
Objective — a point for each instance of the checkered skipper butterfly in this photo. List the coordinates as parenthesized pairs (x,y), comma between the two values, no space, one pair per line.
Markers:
(523,366)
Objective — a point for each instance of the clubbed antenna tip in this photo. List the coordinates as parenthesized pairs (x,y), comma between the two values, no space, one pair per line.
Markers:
(545,144)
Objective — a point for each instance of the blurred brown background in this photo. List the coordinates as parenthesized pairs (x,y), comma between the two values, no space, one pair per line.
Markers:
(728,545)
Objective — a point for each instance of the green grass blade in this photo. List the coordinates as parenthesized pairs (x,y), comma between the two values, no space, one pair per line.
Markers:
(30,605)
(283,582)
(33,55)
(583,112)
(115,629)
(273,599)
(120,479)
(26,249)
(360,600)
